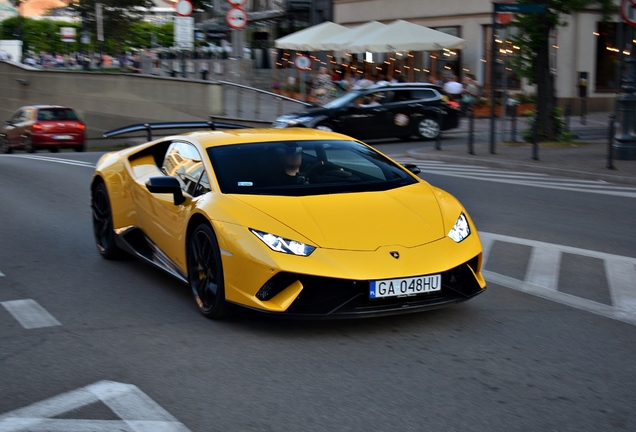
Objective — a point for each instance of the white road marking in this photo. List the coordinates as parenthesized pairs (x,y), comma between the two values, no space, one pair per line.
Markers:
(53,159)
(621,276)
(1,274)
(543,268)
(138,412)
(545,181)
(30,314)
(541,278)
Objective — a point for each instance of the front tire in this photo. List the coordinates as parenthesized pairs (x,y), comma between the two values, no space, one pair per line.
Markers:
(103,224)
(428,128)
(6,148)
(205,273)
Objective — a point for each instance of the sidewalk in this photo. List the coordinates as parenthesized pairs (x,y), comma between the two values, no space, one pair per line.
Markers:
(587,159)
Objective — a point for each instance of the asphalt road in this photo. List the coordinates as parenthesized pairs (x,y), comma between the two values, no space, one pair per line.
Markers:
(506,360)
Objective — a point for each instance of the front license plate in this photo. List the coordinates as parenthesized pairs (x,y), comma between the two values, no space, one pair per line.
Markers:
(405,286)
(62,137)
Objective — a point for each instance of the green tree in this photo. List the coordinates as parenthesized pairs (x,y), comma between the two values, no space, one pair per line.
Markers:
(534,59)
(118,16)
(38,35)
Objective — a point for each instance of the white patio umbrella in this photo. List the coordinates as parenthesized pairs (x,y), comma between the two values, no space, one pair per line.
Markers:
(339,42)
(309,39)
(404,36)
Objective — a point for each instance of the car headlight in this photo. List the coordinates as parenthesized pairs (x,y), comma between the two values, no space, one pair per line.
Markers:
(461,229)
(281,244)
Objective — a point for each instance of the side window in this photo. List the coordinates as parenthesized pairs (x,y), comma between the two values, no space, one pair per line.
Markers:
(401,95)
(16,116)
(183,162)
(425,94)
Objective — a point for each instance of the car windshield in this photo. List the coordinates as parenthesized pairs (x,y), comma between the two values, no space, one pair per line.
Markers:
(56,114)
(343,100)
(299,168)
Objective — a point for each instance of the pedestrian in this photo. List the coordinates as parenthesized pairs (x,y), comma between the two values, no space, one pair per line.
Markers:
(321,86)
(453,88)
(470,93)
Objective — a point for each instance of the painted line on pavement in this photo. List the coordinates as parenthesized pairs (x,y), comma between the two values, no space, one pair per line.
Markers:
(54,159)
(30,314)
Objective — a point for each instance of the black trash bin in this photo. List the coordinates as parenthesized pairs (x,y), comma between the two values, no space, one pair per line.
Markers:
(204,74)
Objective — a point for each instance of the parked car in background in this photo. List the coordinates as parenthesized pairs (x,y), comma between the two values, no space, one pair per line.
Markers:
(399,110)
(43,127)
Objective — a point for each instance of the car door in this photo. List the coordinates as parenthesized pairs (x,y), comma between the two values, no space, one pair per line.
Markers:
(13,129)
(362,121)
(162,221)
(400,109)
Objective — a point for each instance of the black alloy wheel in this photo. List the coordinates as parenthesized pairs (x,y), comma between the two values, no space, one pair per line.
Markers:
(6,148)
(28,145)
(103,224)
(205,273)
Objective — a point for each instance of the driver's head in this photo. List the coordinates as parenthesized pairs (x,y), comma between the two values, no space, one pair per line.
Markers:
(293,158)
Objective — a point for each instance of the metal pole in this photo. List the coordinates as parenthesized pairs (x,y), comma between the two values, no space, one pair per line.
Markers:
(610,146)
(440,119)
(513,126)
(493,57)
(535,141)
(567,113)
(471,130)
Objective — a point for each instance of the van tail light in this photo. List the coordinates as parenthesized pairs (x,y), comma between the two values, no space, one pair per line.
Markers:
(80,126)
(37,127)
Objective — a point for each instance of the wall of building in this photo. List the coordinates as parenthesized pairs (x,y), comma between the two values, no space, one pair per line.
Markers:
(109,101)
(576,42)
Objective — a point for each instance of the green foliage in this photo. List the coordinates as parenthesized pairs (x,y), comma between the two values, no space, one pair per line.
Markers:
(118,16)
(560,133)
(39,35)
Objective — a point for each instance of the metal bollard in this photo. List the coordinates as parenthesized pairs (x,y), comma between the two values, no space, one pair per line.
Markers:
(471,130)
(535,140)
(567,113)
(440,119)
(513,126)
(239,110)
(610,145)
(257,105)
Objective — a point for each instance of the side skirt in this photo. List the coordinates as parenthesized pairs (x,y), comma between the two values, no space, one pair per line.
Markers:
(135,242)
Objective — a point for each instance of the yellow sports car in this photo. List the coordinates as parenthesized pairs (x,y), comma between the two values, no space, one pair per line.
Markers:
(296,222)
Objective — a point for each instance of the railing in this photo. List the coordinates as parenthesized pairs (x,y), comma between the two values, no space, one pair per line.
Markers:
(249,103)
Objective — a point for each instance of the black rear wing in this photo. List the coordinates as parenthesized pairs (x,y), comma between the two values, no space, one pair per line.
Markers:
(149,127)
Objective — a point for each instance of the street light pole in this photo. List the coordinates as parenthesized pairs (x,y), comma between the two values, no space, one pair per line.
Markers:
(625,145)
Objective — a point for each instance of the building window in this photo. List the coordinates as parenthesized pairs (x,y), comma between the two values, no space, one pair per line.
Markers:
(607,57)
(505,50)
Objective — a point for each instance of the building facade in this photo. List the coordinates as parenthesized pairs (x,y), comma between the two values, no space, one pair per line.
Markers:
(585,51)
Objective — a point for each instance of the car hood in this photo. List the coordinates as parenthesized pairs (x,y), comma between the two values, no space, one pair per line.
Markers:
(408,216)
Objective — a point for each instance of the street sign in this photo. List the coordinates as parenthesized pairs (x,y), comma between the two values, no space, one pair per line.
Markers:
(505,18)
(184,32)
(68,34)
(184,8)
(628,12)
(236,18)
(519,8)
(302,62)
(241,3)
(100,22)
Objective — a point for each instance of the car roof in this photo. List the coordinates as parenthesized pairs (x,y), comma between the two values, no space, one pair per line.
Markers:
(245,136)
(408,85)
(38,107)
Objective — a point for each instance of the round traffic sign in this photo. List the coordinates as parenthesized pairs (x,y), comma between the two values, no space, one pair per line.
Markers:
(505,18)
(628,12)
(241,3)
(302,62)
(184,8)
(236,18)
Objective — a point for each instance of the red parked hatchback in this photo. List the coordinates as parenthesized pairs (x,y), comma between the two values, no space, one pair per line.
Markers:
(43,126)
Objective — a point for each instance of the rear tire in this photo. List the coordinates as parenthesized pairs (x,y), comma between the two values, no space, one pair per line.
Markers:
(103,224)
(428,128)
(28,145)
(205,273)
